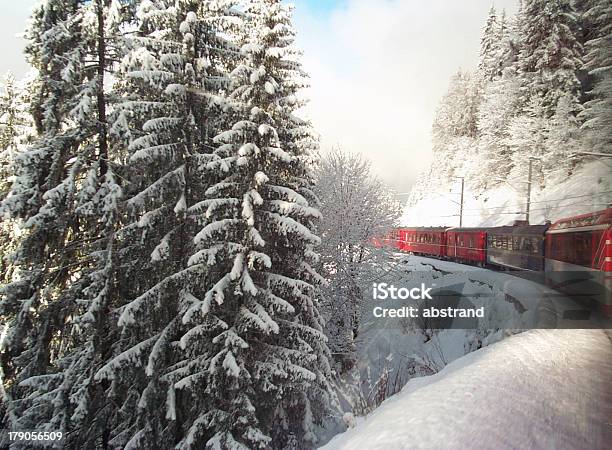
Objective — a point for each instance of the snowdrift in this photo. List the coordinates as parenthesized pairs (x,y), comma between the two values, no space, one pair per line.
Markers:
(546,389)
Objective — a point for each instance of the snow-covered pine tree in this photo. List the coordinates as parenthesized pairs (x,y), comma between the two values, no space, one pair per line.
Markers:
(499,106)
(16,129)
(171,83)
(527,136)
(510,35)
(597,115)
(547,67)
(66,192)
(15,126)
(490,41)
(262,382)
(504,54)
(550,53)
(500,94)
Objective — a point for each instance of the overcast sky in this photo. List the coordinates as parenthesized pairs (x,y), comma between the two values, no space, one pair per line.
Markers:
(378,69)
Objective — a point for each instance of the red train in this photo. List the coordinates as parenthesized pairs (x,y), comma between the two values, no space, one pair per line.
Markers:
(574,253)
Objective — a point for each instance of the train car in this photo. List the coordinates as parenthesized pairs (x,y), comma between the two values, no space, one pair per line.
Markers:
(579,257)
(388,240)
(467,245)
(392,239)
(520,246)
(423,241)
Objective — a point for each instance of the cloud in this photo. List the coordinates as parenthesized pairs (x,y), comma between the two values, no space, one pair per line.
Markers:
(378,69)
(12,24)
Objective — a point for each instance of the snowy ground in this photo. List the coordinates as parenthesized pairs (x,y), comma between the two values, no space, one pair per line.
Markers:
(544,389)
(470,393)
(587,191)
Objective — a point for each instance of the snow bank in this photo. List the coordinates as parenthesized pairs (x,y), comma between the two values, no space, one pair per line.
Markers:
(590,189)
(539,389)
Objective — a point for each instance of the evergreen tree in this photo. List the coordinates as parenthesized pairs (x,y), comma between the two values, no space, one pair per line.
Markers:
(263,379)
(598,62)
(172,83)
(15,126)
(550,53)
(499,107)
(488,64)
(66,192)
(15,133)
(509,42)
(528,133)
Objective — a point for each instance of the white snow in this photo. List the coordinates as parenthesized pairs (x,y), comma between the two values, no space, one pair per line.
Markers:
(269,87)
(546,389)
(588,190)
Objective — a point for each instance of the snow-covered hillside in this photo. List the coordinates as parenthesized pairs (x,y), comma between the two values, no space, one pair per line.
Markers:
(546,389)
(588,190)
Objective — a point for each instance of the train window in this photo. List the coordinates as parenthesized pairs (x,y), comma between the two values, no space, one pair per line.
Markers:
(573,248)
(558,247)
(583,249)
(525,245)
(535,245)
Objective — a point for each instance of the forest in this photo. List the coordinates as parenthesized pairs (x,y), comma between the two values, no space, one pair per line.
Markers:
(542,90)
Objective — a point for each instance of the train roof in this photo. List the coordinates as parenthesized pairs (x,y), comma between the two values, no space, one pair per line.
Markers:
(595,220)
(519,229)
(466,229)
(424,228)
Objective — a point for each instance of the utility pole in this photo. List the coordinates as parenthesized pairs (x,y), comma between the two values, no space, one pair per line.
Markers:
(529,190)
(461,206)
